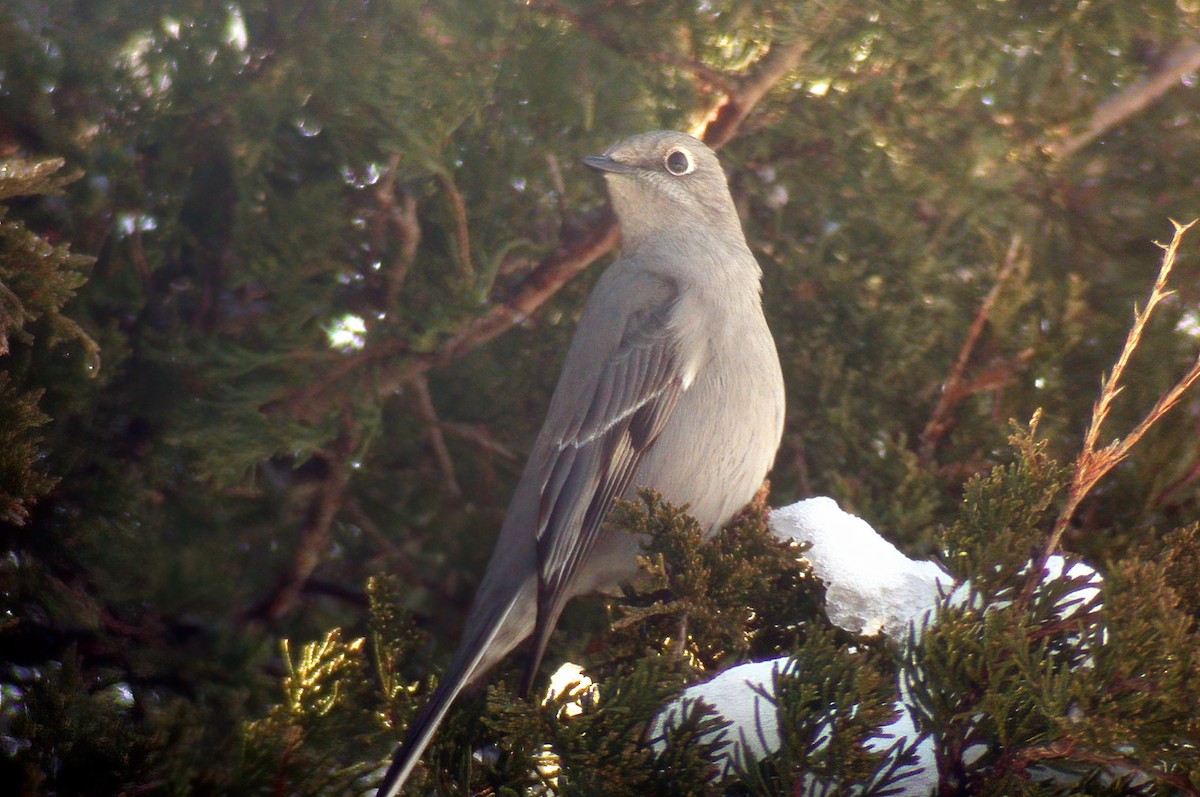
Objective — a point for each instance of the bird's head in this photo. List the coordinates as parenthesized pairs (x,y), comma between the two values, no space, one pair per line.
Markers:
(664,179)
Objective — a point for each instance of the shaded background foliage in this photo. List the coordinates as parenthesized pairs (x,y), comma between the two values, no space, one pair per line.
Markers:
(272,385)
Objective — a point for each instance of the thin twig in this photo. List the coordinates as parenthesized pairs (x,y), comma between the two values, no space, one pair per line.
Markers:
(1092,464)
(954,389)
(437,441)
(461,231)
(1182,60)
(403,219)
(315,534)
(560,187)
(387,546)
(800,460)
(478,435)
(137,253)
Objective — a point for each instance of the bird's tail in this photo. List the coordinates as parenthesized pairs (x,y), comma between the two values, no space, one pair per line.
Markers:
(476,654)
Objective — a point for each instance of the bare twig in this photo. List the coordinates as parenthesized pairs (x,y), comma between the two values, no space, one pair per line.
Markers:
(800,461)
(403,219)
(1182,60)
(315,533)
(355,514)
(723,121)
(461,231)
(479,436)
(1092,464)
(955,389)
(560,188)
(137,253)
(437,441)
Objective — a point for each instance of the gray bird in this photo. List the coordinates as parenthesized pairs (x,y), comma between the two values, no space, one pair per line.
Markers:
(672,382)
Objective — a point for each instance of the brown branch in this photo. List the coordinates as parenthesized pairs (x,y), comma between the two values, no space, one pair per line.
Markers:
(560,187)
(726,116)
(955,389)
(479,437)
(1092,464)
(437,441)
(1134,98)
(461,231)
(402,218)
(315,533)
(541,284)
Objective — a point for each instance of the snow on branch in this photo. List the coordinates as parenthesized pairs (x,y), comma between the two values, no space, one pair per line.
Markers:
(871,587)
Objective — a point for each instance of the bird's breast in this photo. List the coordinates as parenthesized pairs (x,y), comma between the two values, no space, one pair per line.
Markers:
(718,445)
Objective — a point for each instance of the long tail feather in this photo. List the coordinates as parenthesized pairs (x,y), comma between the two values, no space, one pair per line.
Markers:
(474,657)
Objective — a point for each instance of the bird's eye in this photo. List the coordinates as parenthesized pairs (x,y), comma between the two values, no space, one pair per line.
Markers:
(679,163)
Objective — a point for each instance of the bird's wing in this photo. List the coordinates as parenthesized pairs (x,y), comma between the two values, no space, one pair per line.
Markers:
(598,438)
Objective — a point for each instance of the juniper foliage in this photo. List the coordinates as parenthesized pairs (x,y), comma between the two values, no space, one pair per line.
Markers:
(284,288)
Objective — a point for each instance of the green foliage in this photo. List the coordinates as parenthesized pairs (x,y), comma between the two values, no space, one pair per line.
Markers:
(36,277)
(1005,515)
(829,701)
(1025,691)
(299,211)
(36,280)
(599,750)
(739,596)
(81,736)
(299,740)
(21,483)
(1179,556)
(590,744)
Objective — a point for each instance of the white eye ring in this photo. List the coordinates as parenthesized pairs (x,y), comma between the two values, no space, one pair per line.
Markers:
(678,162)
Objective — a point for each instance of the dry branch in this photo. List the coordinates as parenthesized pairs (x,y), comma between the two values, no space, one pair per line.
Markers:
(723,121)
(315,532)
(402,219)
(437,440)
(462,235)
(1092,464)
(955,388)
(1182,60)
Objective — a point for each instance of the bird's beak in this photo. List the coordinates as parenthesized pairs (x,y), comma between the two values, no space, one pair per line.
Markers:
(606,164)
